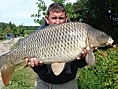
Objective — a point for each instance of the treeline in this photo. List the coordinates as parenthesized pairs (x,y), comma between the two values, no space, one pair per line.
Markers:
(11,28)
(101,14)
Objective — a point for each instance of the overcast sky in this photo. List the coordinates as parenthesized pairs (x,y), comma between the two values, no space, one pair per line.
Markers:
(19,11)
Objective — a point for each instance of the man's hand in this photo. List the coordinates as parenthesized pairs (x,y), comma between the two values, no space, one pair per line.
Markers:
(33,62)
(84,53)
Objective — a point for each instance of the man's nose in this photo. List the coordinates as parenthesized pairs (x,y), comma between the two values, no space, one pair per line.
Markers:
(57,21)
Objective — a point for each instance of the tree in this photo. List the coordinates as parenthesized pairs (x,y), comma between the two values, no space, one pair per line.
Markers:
(59,1)
(1,34)
(3,25)
(39,17)
(20,31)
(41,11)
(102,14)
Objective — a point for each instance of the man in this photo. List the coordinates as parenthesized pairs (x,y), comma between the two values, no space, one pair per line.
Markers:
(56,14)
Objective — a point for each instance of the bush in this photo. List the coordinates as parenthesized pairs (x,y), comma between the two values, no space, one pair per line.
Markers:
(103,75)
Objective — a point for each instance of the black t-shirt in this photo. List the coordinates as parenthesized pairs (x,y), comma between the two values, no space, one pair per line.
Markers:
(66,75)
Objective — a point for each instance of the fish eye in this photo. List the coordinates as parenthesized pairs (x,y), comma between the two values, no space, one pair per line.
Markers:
(102,34)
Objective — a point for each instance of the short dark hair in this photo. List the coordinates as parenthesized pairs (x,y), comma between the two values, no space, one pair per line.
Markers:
(56,7)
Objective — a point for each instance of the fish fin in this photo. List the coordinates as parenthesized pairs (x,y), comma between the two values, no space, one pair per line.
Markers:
(57,68)
(90,58)
(26,65)
(6,73)
(2,60)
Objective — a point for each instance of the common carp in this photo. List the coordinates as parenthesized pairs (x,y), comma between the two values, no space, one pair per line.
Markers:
(55,45)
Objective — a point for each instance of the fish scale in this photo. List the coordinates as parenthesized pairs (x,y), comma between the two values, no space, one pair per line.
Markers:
(55,45)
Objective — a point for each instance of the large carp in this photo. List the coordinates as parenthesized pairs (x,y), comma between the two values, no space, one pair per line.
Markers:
(55,45)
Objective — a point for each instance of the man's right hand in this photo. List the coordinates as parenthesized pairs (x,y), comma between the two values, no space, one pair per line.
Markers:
(33,62)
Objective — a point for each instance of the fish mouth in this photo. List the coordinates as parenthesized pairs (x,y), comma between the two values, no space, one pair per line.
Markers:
(110,41)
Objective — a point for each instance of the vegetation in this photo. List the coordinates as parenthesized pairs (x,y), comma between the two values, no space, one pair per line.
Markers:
(6,28)
(101,14)
(104,74)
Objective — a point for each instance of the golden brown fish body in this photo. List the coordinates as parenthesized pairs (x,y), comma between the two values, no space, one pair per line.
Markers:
(56,44)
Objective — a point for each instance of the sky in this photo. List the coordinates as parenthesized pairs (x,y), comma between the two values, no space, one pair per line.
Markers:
(19,11)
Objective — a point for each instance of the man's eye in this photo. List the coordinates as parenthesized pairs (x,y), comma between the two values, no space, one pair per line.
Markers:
(61,18)
(54,17)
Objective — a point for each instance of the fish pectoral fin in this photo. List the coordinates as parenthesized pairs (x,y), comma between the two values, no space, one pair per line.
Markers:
(57,68)
(6,73)
(90,58)
(26,65)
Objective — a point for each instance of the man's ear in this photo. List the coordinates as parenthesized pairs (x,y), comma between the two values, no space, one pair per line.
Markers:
(67,20)
(46,19)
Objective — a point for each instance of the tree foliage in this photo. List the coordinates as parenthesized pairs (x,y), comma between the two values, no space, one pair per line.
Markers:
(6,28)
(59,1)
(41,11)
(102,14)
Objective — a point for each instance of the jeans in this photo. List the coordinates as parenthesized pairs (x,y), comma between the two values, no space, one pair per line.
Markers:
(40,84)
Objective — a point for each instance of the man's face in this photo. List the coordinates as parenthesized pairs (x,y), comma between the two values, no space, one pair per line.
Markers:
(56,18)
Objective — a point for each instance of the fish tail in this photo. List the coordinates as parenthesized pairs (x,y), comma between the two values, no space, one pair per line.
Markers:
(6,72)
(2,60)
